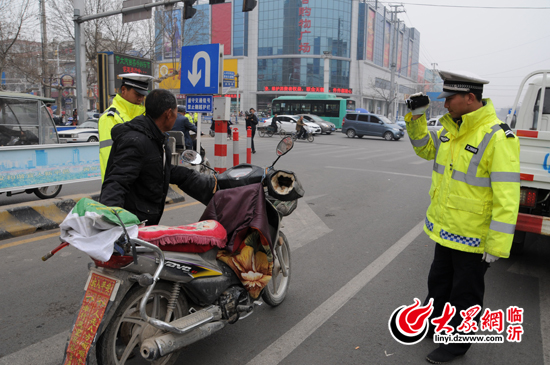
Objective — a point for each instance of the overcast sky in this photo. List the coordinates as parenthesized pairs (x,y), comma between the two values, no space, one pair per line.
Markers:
(500,45)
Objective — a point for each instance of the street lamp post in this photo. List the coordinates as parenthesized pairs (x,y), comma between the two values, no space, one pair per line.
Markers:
(238,97)
(326,70)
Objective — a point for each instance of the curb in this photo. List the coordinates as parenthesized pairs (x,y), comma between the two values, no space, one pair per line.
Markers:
(27,218)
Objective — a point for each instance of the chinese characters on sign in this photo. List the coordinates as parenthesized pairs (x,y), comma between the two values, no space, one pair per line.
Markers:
(201,103)
(91,312)
(337,90)
(340,90)
(304,25)
(410,324)
(490,321)
(128,64)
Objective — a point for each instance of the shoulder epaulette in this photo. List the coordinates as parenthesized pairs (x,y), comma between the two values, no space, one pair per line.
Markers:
(507,130)
(111,112)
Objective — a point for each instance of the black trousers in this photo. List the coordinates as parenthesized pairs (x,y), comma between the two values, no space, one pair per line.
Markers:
(252,138)
(456,277)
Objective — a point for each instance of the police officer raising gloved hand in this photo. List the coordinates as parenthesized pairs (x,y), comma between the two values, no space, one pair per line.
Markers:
(418,104)
(474,196)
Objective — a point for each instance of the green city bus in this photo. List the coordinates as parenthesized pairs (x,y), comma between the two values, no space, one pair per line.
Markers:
(327,106)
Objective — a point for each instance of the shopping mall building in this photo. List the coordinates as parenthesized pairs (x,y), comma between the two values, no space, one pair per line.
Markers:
(284,47)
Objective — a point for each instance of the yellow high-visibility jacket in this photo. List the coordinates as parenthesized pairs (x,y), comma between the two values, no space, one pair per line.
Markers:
(475,181)
(120,111)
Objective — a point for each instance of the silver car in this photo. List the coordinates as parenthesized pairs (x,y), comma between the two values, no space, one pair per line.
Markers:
(326,127)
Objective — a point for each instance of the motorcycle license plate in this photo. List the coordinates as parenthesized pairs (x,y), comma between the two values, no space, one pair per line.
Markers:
(99,291)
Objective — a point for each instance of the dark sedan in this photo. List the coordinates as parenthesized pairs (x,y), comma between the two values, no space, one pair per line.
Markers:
(326,127)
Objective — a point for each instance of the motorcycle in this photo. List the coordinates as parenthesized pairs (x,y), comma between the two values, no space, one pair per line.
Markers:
(308,137)
(149,302)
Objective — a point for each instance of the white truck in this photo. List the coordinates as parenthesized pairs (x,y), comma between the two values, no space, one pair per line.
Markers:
(532,127)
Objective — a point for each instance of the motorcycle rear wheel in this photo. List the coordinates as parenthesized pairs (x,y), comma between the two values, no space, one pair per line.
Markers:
(123,336)
(277,288)
(47,192)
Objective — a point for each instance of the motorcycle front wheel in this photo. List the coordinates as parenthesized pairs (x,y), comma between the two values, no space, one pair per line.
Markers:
(310,137)
(121,341)
(277,288)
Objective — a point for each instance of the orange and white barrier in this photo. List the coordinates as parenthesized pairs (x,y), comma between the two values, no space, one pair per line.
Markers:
(249,145)
(220,146)
(235,146)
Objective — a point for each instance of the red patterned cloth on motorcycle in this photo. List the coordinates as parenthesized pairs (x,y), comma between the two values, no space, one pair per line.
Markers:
(197,237)
(240,210)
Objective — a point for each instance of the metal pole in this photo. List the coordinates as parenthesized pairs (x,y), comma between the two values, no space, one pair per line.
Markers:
(44,46)
(81,86)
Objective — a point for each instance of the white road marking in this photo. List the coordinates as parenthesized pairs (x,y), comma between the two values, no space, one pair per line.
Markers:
(303,226)
(347,150)
(381,155)
(421,161)
(377,171)
(284,345)
(398,158)
(45,352)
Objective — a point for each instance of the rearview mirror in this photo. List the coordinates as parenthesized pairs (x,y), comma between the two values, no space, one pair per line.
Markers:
(191,157)
(284,146)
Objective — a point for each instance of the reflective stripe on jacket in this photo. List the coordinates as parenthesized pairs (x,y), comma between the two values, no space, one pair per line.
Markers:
(120,111)
(475,181)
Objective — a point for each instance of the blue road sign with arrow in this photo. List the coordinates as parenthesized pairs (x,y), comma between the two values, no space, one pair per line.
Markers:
(201,69)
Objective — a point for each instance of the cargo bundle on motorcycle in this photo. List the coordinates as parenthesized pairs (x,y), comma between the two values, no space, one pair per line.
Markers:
(152,290)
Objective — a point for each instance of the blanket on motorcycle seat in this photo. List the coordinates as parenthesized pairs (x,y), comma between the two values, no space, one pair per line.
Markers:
(196,238)
(242,211)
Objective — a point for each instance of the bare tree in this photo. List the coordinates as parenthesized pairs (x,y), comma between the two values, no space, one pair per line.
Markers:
(380,89)
(165,27)
(103,34)
(14,16)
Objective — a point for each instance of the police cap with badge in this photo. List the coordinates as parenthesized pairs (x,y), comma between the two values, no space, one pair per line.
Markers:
(453,83)
(138,82)
(463,82)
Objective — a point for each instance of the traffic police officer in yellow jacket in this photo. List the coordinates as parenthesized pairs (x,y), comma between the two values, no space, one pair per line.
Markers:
(126,105)
(474,196)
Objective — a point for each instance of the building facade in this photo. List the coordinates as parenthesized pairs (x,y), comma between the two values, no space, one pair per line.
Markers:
(296,47)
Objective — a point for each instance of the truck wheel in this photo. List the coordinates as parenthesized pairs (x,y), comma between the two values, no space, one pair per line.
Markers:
(518,243)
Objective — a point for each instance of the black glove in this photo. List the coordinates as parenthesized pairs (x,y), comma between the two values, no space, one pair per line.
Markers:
(418,103)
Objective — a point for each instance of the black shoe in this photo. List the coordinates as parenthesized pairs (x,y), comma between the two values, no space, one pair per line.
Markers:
(253,151)
(440,356)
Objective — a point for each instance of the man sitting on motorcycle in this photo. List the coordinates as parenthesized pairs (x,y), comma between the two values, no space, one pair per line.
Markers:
(274,123)
(139,168)
(301,128)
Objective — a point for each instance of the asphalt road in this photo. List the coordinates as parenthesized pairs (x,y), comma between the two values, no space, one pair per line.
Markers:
(358,253)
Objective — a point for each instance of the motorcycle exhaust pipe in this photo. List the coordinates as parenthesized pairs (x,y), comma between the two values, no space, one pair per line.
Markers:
(156,347)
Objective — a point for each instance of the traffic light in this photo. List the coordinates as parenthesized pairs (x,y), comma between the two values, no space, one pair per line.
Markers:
(212,2)
(188,9)
(249,5)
